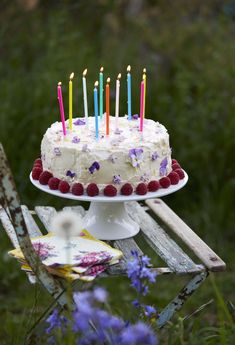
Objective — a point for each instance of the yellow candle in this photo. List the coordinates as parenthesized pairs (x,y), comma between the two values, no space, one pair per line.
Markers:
(144,79)
(71,101)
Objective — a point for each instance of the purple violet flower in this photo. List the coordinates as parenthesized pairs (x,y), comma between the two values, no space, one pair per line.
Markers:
(79,122)
(57,151)
(75,140)
(136,156)
(95,166)
(163,167)
(70,173)
(145,177)
(154,156)
(117,179)
(118,131)
(135,117)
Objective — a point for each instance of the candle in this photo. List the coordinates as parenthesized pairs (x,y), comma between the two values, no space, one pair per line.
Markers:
(144,79)
(117,100)
(129,91)
(60,99)
(85,96)
(96,110)
(101,91)
(71,101)
(107,106)
(142,106)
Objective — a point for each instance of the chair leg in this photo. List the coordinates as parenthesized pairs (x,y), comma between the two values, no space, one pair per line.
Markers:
(177,303)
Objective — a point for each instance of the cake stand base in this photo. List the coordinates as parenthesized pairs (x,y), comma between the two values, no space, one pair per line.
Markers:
(109,221)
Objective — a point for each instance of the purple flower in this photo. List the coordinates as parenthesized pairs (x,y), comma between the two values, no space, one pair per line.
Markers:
(56,321)
(154,156)
(70,173)
(100,294)
(139,273)
(75,140)
(150,311)
(163,167)
(117,179)
(135,117)
(57,151)
(136,156)
(138,334)
(95,166)
(79,122)
(118,131)
(145,177)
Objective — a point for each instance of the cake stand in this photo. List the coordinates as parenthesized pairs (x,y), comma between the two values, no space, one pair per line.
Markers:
(107,218)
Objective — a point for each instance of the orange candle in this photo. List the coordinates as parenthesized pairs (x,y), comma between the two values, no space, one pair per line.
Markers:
(107,106)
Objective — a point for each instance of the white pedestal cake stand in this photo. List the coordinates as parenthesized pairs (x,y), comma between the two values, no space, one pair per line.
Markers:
(107,218)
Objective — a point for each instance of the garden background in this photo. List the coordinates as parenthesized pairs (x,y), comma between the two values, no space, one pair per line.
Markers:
(188,49)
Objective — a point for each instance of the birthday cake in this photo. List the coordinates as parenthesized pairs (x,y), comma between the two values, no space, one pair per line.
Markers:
(125,162)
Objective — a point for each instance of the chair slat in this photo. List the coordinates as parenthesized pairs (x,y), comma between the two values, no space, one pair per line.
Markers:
(8,227)
(210,259)
(126,246)
(32,227)
(158,239)
(45,214)
(77,209)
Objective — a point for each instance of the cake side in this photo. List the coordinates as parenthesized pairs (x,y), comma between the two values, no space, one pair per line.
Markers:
(124,156)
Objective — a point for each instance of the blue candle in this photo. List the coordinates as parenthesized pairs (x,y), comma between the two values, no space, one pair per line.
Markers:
(129,91)
(96,110)
(101,76)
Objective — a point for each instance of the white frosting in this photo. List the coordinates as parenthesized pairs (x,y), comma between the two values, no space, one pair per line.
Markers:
(128,156)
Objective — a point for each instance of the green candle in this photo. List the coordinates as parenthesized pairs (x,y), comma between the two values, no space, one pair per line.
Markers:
(101,91)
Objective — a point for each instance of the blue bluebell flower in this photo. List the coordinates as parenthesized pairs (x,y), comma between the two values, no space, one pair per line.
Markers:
(138,334)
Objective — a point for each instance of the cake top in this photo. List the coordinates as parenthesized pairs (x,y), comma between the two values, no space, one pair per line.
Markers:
(127,136)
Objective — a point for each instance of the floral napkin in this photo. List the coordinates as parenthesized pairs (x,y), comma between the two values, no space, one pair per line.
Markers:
(82,257)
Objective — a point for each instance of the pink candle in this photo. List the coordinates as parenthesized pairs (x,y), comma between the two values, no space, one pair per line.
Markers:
(60,99)
(142,106)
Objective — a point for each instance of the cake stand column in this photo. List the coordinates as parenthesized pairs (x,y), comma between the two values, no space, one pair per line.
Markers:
(109,221)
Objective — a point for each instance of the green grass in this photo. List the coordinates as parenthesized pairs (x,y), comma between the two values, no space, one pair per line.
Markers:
(188,50)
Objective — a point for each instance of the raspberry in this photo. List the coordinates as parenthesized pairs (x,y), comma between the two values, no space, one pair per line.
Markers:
(110,190)
(45,177)
(92,189)
(153,186)
(64,187)
(174,161)
(141,189)
(174,177)
(77,189)
(36,172)
(165,182)
(53,183)
(37,165)
(176,166)
(180,173)
(38,161)
(127,189)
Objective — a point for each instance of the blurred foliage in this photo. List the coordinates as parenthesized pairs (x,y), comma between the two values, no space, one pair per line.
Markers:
(188,50)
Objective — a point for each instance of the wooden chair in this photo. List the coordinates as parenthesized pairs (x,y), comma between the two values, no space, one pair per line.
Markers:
(20,225)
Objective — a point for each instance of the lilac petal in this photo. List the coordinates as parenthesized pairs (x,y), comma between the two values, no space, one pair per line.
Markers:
(79,122)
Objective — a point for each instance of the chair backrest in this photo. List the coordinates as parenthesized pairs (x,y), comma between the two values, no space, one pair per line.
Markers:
(10,202)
